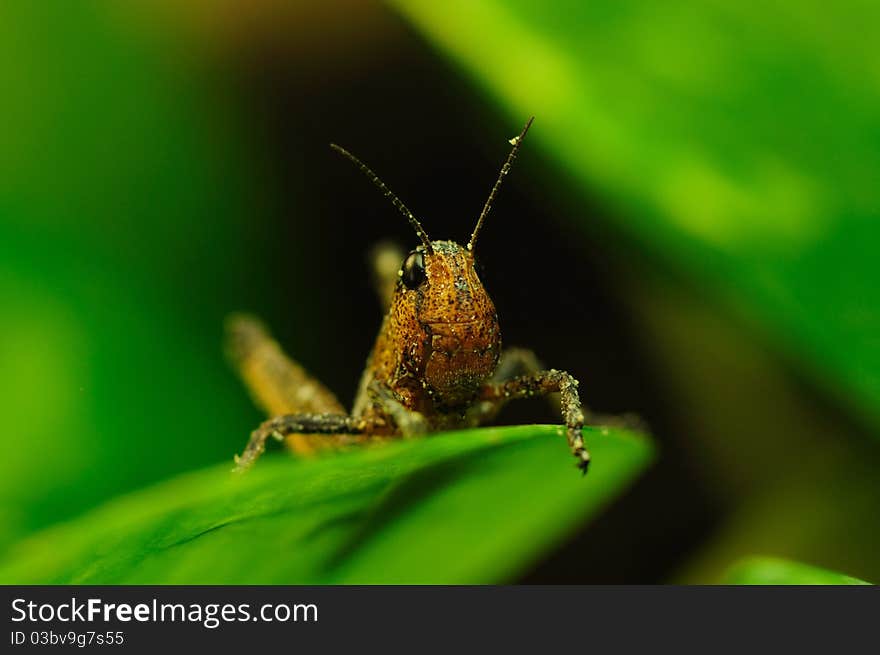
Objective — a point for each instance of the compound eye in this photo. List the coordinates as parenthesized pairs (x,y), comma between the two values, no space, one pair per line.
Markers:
(413,271)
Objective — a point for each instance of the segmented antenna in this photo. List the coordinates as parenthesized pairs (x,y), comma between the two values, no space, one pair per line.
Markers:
(515,142)
(388,194)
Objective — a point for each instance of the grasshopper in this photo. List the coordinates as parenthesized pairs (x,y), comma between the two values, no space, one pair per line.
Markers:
(437,362)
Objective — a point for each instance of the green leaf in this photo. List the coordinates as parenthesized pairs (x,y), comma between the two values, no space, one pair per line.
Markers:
(110,178)
(464,507)
(774,571)
(740,140)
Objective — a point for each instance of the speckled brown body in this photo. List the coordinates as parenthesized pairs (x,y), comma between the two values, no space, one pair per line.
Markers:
(438,343)
(436,363)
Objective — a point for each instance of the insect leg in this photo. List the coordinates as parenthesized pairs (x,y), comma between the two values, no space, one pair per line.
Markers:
(279,385)
(542,383)
(386,258)
(521,361)
(281,426)
(409,423)
(514,362)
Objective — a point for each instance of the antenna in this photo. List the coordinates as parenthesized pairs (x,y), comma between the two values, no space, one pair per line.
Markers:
(388,194)
(515,142)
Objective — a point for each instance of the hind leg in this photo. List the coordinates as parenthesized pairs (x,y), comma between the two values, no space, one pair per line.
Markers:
(277,383)
(386,258)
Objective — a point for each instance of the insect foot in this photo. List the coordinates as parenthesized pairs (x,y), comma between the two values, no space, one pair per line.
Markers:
(582,455)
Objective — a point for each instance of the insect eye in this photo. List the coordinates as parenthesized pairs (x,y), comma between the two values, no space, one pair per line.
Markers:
(413,271)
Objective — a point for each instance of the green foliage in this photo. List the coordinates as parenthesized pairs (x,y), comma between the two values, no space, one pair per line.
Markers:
(465,507)
(117,175)
(774,571)
(738,140)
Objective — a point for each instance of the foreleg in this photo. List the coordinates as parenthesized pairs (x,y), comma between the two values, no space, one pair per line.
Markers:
(281,426)
(496,394)
(409,423)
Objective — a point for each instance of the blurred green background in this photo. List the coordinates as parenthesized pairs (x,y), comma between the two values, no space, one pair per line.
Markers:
(692,230)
